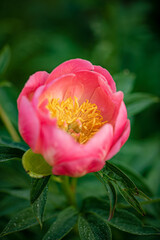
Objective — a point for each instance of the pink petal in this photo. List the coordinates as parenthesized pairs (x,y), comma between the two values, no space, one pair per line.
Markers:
(74,168)
(35,80)
(89,80)
(62,88)
(107,75)
(120,122)
(40,107)
(29,125)
(107,101)
(71,66)
(104,138)
(60,150)
(117,146)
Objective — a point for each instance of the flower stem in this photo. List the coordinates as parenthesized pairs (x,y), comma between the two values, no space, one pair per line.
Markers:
(73,184)
(9,125)
(69,191)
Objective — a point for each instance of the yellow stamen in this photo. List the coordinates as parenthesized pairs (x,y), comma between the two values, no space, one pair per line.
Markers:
(81,122)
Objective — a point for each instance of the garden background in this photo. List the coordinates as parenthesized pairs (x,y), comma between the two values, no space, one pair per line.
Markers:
(123,37)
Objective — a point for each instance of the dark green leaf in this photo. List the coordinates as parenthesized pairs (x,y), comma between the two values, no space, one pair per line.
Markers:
(137,102)
(10,209)
(125,185)
(112,194)
(112,198)
(38,186)
(128,196)
(35,165)
(118,175)
(20,221)
(4,59)
(93,227)
(123,220)
(19,193)
(63,224)
(9,143)
(124,81)
(8,153)
(135,176)
(39,205)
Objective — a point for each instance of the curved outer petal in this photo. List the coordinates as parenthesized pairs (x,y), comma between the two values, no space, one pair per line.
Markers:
(120,142)
(70,66)
(29,125)
(35,81)
(78,168)
(120,122)
(71,158)
(107,75)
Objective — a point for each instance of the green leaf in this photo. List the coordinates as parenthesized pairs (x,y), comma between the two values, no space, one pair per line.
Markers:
(93,227)
(9,143)
(63,224)
(38,186)
(124,81)
(112,198)
(8,153)
(19,193)
(4,59)
(125,185)
(128,196)
(22,220)
(35,165)
(123,220)
(137,102)
(116,174)
(112,194)
(135,176)
(39,205)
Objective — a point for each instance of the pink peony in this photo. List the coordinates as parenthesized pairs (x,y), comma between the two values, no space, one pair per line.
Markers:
(73,117)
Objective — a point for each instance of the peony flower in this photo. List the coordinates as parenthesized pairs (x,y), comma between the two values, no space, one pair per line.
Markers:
(73,117)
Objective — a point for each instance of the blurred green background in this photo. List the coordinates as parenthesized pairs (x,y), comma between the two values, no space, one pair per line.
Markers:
(122,36)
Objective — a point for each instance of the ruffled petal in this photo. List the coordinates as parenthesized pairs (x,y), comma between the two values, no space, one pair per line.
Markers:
(35,81)
(71,66)
(62,88)
(29,125)
(120,122)
(120,142)
(89,80)
(60,149)
(107,76)
(78,169)
(104,138)
(107,101)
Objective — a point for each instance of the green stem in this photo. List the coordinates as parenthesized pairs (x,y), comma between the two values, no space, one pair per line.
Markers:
(70,194)
(9,125)
(73,184)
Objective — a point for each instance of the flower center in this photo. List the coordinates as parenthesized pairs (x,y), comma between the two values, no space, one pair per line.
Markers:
(80,121)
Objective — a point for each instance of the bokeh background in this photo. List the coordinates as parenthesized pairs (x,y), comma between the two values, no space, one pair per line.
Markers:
(122,36)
